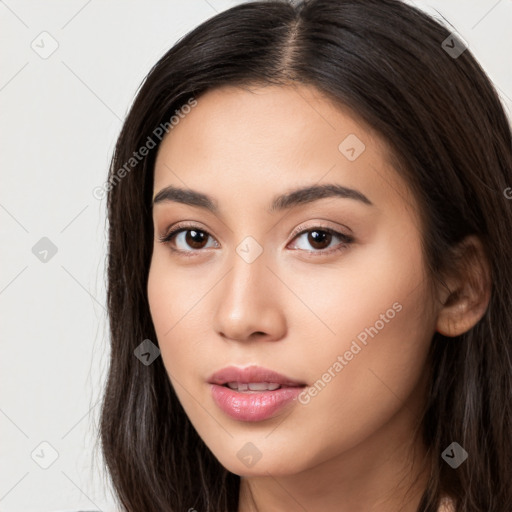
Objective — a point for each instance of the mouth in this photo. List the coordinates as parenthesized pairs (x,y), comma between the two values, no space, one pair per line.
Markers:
(253,393)
(252,378)
(253,387)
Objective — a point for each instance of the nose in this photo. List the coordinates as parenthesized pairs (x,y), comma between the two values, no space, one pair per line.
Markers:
(249,302)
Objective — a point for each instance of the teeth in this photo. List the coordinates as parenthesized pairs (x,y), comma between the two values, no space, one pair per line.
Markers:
(262,386)
(254,386)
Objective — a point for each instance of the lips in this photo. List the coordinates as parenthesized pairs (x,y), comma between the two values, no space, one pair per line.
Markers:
(252,375)
(253,393)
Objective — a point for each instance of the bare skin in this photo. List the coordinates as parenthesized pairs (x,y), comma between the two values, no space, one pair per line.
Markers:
(298,306)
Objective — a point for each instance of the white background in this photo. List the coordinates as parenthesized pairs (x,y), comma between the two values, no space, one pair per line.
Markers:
(59,119)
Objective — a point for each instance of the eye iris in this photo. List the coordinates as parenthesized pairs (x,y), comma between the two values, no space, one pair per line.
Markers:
(319,237)
(194,238)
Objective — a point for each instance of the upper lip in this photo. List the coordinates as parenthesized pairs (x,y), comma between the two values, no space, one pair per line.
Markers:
(251,374)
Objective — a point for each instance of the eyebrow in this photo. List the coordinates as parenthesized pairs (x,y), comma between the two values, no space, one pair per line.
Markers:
(281,202)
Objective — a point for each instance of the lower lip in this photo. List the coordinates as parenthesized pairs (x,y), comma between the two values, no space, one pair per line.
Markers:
(255,406)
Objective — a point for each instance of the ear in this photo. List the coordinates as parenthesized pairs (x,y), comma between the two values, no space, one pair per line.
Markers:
(466,300)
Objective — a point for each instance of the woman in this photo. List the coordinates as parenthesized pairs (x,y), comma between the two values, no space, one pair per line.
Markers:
(308,271)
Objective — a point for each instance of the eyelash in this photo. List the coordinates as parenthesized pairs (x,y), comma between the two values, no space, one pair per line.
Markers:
(346,239)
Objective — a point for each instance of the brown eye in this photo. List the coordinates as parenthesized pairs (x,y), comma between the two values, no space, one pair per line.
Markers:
(319,239)
(195,238)
(187,239)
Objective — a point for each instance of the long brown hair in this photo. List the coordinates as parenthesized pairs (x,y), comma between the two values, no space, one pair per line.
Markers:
(451,140)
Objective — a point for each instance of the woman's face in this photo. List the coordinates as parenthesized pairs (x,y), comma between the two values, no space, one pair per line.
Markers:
(347,313)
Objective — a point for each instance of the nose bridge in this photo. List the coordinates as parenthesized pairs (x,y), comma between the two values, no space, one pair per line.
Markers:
(247,302)
(246,281)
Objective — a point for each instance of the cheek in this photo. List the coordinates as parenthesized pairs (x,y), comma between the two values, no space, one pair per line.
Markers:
(360,293)
(373,373)
(176,301)
(371,354)
(161,298)
(167,305)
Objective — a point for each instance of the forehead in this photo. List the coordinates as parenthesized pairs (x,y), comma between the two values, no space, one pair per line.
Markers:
(273,138)
(293,119)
